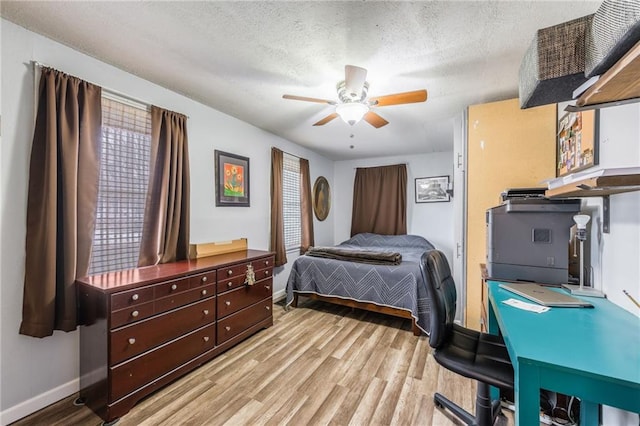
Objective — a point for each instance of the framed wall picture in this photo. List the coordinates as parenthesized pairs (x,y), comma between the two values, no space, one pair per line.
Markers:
(232,180)
(321,198)
(577,142)
(432,189)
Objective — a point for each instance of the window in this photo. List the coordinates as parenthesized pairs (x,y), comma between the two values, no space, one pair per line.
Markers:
(123,182)
(291,201)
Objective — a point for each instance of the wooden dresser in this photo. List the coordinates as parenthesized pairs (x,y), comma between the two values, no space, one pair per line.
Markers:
(145,327)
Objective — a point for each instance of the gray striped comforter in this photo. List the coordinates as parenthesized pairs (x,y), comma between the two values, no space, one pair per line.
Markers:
(399,286)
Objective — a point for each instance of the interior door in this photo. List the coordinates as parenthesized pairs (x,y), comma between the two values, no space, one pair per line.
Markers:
(507,147)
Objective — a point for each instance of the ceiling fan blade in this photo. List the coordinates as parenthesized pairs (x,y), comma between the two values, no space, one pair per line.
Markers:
(303,98)
(325,120)
(354,78)
(399,98)
(375,120)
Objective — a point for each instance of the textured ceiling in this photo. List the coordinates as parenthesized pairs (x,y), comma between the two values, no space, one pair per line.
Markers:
(241,57)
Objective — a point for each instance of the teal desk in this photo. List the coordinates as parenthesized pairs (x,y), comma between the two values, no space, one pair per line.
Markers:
(593,354)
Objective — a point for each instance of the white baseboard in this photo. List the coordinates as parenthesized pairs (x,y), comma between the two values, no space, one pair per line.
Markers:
(279,295)
(38,402)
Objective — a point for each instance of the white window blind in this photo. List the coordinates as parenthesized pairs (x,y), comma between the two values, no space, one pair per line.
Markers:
(124,176)
(291,201)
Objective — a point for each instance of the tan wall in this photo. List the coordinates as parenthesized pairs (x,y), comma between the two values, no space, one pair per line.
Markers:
(507,148)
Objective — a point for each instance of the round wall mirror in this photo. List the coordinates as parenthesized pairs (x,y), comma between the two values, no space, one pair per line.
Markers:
(321,198)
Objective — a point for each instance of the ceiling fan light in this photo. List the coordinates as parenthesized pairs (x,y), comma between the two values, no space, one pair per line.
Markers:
(352,112)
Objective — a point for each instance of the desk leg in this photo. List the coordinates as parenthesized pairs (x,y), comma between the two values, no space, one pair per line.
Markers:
(527,385)
(527,395)
(589,413)
(492,327)
(493,322)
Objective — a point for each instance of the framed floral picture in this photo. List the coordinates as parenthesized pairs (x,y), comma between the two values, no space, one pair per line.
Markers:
(232,180)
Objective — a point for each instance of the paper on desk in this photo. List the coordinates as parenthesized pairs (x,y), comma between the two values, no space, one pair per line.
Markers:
(526,306)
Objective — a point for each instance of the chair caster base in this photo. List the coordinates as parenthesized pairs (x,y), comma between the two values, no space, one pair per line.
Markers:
(490,415)
(79,401)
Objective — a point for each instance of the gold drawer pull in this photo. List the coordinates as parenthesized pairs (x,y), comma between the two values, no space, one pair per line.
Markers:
(267,287)
(135,297)
(204,279)
(205,338)
(227,303)
(229,272)
(131,340)
(206,312)
(229,284)
(174,287)
(268,308)
(135,314)
(266,272)
(204,292)
(227,328)
(266,262)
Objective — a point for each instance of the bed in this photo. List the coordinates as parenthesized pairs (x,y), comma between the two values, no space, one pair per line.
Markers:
(384,278)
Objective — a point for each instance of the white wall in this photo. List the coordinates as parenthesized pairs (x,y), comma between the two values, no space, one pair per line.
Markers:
(37,372)
(619,267)
(615,256)
(434,221)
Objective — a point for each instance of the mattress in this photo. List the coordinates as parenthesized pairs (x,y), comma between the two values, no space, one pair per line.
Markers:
(399,286)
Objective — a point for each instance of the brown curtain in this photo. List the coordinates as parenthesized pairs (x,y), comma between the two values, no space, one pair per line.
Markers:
(380,200)
(306,210)
(277,216)
(166,224)
(63,191)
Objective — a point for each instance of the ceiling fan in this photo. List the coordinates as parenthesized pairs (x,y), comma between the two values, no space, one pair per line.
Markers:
(353,102)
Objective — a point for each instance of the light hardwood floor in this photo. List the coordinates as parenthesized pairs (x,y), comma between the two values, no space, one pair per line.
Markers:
(320,364)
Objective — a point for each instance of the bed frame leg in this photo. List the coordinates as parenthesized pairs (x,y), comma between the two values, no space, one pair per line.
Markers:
(295,300)
(414,328)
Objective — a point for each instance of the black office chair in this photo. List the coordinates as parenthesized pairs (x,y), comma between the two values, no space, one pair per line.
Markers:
(467,352)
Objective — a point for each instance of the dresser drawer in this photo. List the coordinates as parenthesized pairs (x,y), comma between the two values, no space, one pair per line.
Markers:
(132,314)
(235,277)
(130,375)
(236,323)
(232,271)
(227,284)
(126,299)
(263,274)
(167,303)
(234,300)
(170,288)
(262,263)
(134,339)
(202,279)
